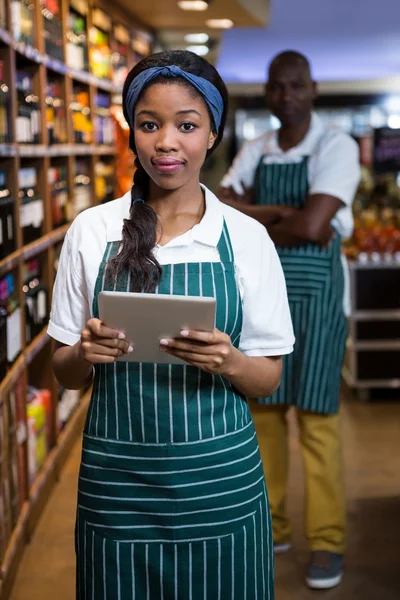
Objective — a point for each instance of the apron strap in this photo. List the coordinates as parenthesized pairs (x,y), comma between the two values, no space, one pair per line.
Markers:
(224,246)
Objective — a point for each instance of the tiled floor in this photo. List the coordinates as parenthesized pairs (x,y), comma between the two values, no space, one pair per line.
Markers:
(371,435)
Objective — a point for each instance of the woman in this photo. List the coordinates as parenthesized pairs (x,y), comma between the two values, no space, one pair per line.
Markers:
(172,500)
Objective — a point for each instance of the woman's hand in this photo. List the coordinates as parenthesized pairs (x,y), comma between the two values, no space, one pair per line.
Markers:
(101,344)
(210,351)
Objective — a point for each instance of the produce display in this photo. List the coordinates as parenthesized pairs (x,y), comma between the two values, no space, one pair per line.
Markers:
(376,219)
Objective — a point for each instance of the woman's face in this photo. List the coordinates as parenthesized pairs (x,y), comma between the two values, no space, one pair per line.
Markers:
(172,134)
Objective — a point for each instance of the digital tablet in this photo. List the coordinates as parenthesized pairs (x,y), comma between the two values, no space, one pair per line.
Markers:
(148,318)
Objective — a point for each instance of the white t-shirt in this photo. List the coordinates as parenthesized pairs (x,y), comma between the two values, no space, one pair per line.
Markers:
(267,327)
(333,167)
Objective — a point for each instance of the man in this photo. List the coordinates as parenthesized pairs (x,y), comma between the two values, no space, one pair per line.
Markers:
(300,183)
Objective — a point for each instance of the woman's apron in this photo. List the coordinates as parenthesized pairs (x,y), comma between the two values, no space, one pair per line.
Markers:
(315,286)
(172,501)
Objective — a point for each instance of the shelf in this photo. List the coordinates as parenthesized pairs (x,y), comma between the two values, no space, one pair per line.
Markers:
(8,150)
(102,84)
(25,358)
(357,265)
(41,58)
(12,376)
(41,151)
(41,490)
(36,346)
(10,262)
(92,150)
(55,78)
(27,252)
(44,242)
(368,383)
(14,551)
(376,315)
(374,345)
(33,150)
(39,495)
(54,65)
(6,37)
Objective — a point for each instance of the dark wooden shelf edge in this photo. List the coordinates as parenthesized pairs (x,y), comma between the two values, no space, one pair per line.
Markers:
(10,262)
(58,150)
(72,429)
(370,264)
(25,359)
(39,496)
(36,346)
(8,150)
(6,37)
(40,58)
(12,376)
(41,490)
(14,552)
(40,245)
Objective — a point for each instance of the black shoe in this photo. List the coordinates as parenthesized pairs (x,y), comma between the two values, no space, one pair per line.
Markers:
(325,570)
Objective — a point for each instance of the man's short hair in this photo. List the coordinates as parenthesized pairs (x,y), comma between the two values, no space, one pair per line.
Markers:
(290,56)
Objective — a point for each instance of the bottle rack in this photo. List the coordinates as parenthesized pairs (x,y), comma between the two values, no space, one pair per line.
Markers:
(58,124)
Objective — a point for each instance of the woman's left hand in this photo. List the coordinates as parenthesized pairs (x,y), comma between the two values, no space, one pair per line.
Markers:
(211,351)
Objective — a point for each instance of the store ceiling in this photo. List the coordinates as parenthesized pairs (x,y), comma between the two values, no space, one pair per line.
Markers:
(345,40)
(172,23)
(165,14)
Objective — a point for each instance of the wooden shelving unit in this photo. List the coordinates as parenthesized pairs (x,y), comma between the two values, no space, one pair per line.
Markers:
(33,365)
(33,507)
(373,347)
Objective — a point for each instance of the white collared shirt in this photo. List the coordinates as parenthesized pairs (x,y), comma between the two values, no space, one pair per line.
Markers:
(333,167)
(267,327)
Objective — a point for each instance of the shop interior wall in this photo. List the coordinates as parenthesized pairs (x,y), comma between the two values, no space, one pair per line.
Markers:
(218,164)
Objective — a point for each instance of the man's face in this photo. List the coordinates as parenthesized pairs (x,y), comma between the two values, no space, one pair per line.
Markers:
(290,92)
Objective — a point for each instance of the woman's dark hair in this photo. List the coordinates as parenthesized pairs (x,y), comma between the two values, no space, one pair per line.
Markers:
(140,230)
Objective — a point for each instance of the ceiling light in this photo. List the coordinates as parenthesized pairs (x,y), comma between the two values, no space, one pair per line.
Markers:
(394,121)
(392,104)
(193,4)
(199,50)
(196,38)
(220,23)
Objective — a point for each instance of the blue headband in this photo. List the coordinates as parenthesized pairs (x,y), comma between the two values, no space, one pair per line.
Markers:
(209,92)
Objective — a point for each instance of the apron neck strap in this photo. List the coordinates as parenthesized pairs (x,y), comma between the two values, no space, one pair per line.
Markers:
(224,246)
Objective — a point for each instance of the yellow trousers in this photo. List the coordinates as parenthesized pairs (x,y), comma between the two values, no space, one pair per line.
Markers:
(325,517)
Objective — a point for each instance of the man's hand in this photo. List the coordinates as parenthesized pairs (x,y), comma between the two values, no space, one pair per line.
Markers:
(228,194)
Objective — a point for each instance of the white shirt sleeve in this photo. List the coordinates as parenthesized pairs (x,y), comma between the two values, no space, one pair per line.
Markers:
(70,308)
(267,325)
(336,170)
(244,166)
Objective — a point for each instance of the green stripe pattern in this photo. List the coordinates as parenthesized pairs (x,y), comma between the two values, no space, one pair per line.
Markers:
(315,286)
(172,500)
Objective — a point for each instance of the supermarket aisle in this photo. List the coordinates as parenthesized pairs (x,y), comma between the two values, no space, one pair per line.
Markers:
(371,434)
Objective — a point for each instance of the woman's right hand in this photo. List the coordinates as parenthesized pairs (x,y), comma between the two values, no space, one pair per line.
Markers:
(101,344)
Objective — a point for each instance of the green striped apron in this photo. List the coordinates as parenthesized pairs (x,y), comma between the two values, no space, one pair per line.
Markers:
(172,501)
(315,286)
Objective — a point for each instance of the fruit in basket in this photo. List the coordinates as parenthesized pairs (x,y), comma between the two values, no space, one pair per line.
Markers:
(365,240)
